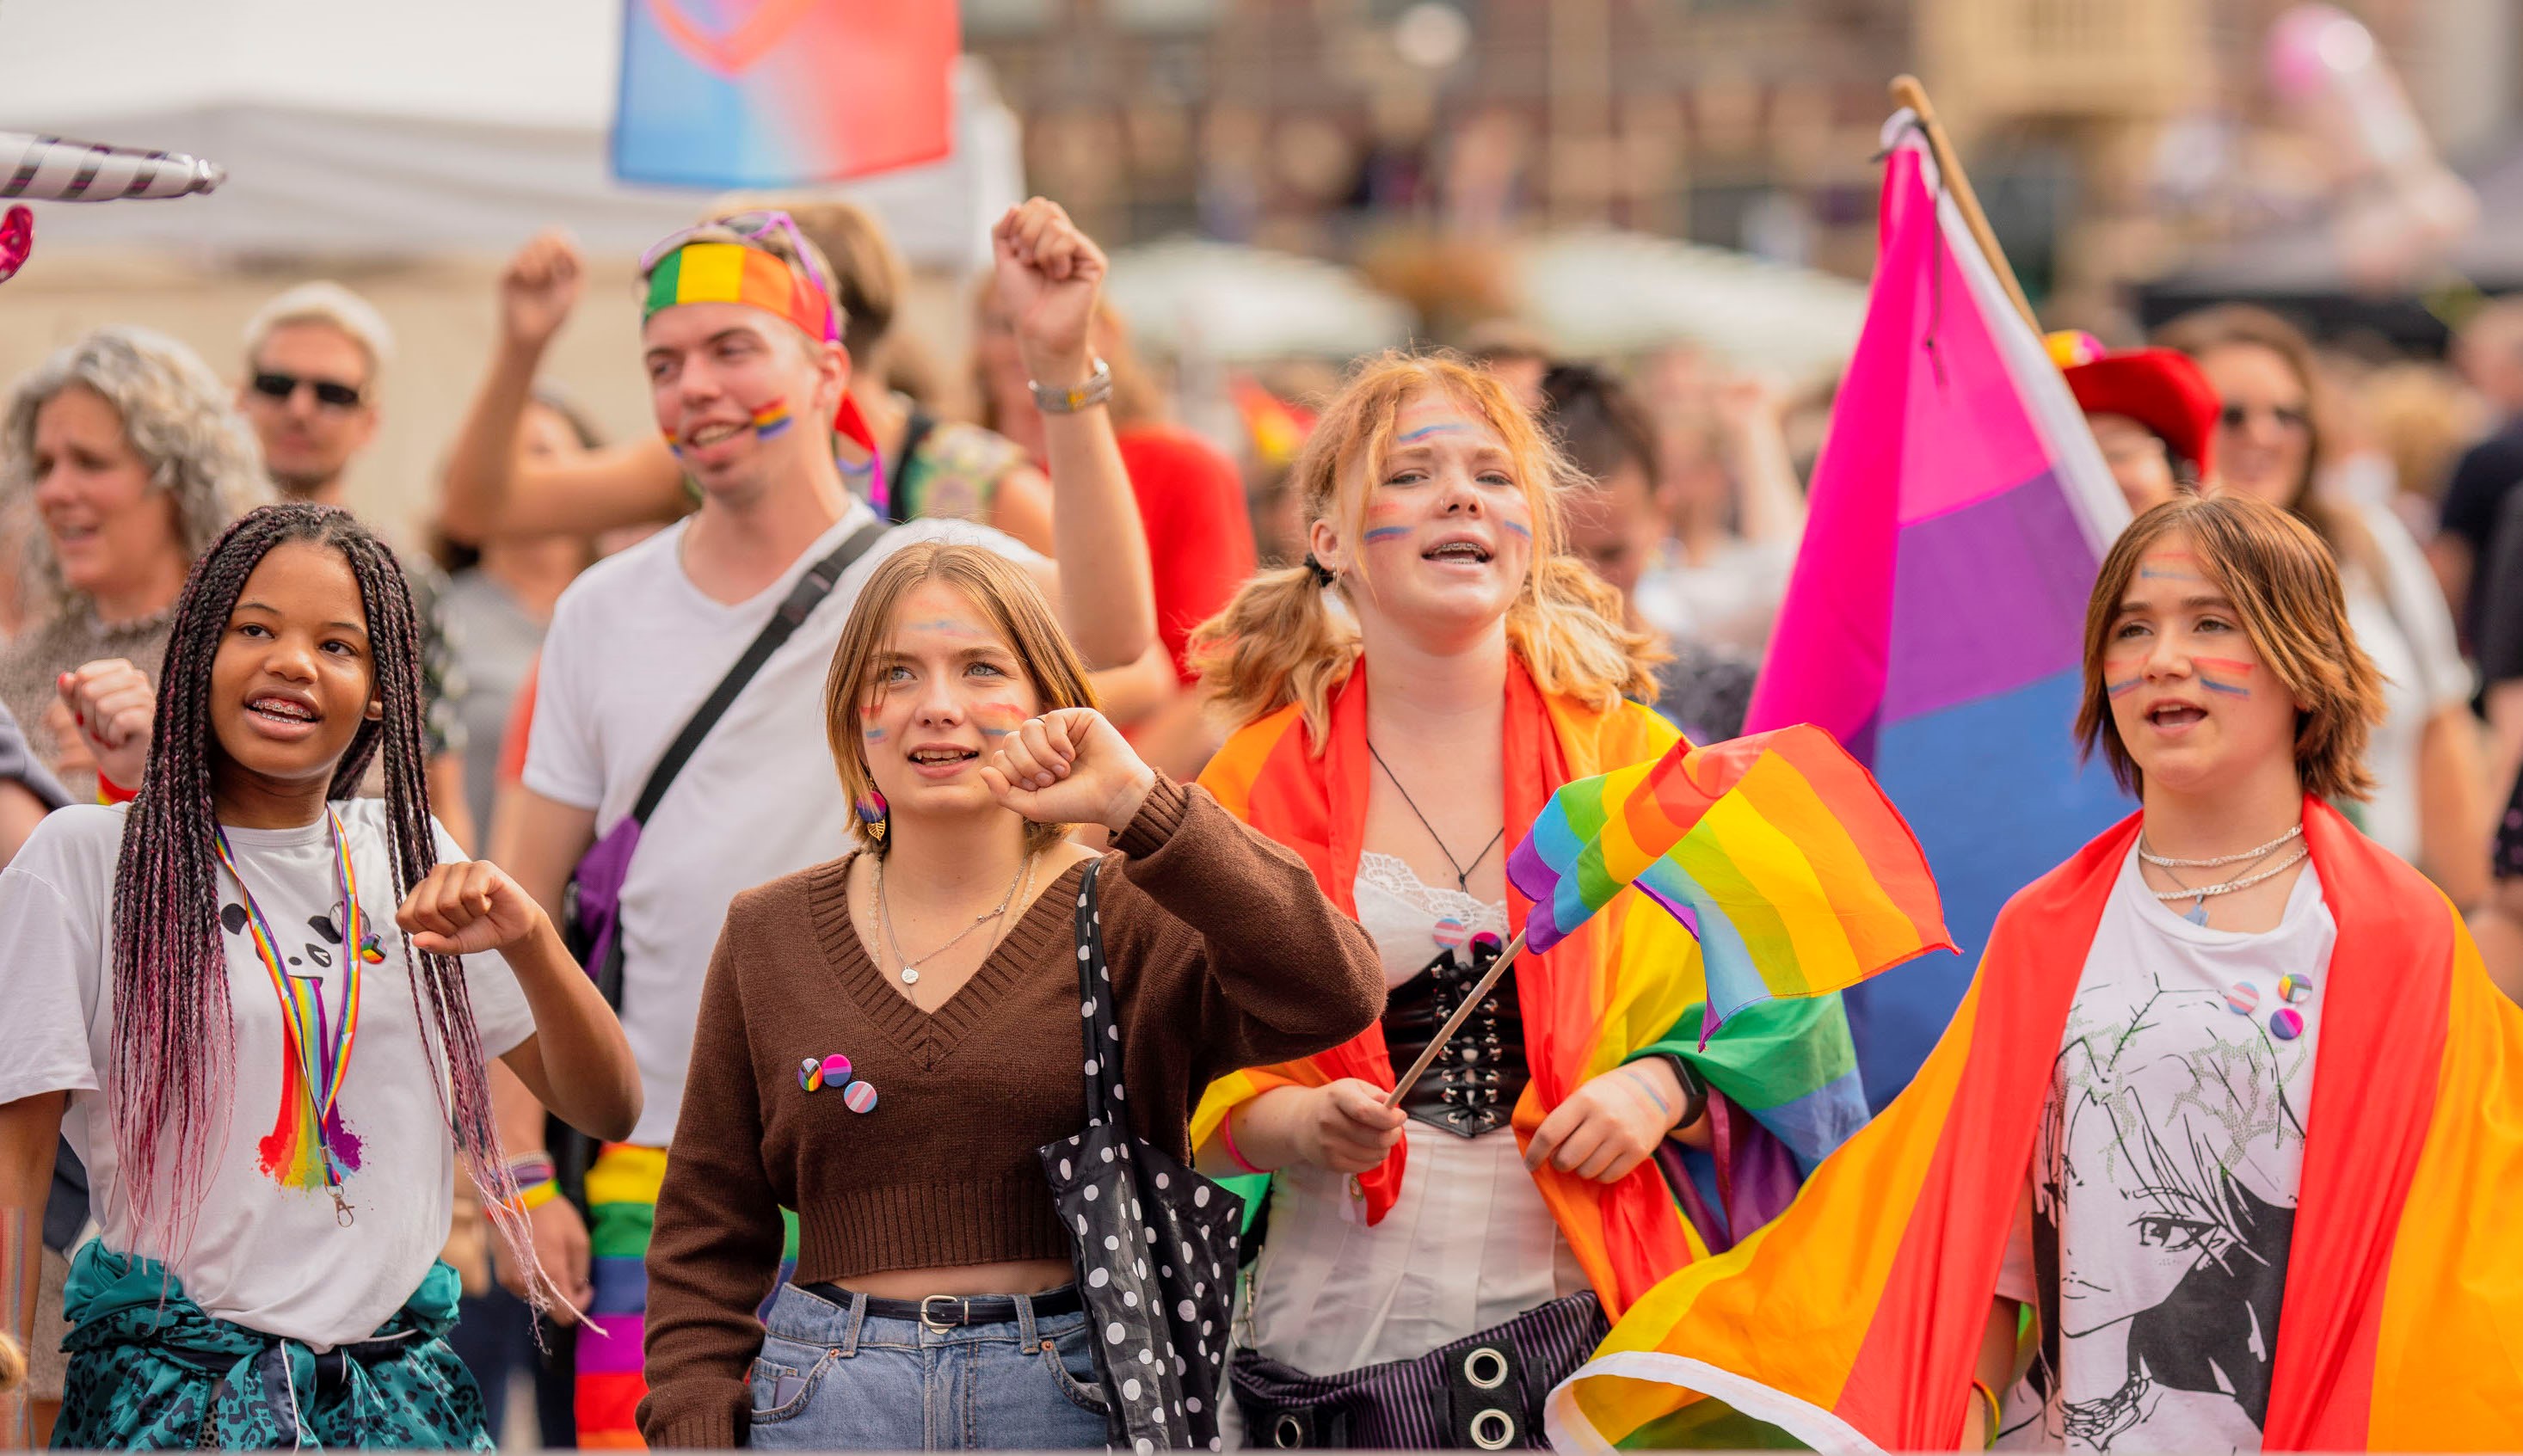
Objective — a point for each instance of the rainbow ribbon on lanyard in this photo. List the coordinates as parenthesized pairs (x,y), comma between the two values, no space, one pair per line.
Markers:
(308,1147)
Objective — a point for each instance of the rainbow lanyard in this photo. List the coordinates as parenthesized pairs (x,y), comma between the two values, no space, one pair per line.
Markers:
(319,1050)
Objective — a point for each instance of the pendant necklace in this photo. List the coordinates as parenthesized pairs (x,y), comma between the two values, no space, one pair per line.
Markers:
(1462,871)
(885,917)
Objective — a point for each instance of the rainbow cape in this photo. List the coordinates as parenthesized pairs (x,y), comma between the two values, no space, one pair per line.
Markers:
(1775,850)
(1851,1323)
(1626,982)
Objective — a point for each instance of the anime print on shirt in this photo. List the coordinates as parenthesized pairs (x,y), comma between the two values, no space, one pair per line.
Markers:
(2164,1179)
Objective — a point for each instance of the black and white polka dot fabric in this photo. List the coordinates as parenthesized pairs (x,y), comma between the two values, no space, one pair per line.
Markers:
(1156,1241)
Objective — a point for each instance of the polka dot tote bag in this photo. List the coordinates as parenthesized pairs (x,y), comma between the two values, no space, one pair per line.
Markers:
(1156,1241)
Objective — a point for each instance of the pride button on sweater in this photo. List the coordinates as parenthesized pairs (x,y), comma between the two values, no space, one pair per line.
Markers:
(815,1075)
(859,1097)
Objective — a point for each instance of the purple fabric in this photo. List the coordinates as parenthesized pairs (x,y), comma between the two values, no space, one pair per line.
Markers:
(1756,1176)
(599,879)
(2021,560)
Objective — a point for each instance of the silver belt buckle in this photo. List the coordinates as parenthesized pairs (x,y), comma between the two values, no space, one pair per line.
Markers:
(930,1322)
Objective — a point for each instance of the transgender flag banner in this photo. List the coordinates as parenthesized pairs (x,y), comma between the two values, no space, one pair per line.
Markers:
(1936,619)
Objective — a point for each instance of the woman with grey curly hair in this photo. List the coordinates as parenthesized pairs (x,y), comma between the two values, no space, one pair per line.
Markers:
(128,456)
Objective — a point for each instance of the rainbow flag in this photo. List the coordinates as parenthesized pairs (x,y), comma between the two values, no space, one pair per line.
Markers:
(1852,1323)
(1775,850)
(778,93)
(1934,622)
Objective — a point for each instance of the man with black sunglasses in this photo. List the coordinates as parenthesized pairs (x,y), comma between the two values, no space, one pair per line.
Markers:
(312,355)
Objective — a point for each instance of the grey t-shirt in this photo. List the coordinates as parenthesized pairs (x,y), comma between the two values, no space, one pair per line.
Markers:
(494,641)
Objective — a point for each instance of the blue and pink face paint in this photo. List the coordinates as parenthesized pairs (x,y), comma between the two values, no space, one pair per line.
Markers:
(2223,675)
(1384,523)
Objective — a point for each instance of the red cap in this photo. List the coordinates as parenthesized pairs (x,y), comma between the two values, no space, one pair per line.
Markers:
(2160,389)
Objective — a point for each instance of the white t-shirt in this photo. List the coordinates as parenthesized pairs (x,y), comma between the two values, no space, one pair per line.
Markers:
(2160,1206)
(2402,624)
(262,1254)
(632,650)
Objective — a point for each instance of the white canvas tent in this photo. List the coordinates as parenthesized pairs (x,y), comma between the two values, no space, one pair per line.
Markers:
(362,128)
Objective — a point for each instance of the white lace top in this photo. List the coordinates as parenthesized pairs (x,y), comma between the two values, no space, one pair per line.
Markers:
(1469,1244)
(1404,914)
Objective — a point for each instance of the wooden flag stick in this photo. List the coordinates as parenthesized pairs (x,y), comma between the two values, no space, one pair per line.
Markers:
(1906,91)
(1453,1024)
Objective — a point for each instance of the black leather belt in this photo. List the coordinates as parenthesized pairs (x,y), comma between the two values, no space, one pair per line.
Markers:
(954,1311)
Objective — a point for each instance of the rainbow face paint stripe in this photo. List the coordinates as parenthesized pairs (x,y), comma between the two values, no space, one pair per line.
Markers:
(1377,535)
(771,419)
(2124,687)
(2225,666)
(731,273)
(1516,525)
(997,719)
(1424,431)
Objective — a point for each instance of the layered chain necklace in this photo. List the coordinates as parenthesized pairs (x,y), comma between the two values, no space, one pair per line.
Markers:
(310,1148)
(2199,895)
(1022,886)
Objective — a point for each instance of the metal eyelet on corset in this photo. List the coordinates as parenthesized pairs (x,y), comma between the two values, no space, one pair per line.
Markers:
(1492,1429)
(1486,1369)
(1287,1433)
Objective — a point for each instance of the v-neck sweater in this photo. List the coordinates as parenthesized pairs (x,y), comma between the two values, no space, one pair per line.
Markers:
(1223,952)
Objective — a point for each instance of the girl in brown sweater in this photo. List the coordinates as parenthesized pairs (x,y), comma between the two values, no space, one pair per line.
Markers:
(933,1305)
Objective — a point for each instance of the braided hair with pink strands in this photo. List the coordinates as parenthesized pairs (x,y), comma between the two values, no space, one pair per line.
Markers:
(173,1032)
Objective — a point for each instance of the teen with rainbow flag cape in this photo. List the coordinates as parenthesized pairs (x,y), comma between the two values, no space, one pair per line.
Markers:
(1498,668)
(2231,1104)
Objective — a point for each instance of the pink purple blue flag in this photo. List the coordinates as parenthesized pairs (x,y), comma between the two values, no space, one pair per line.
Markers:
(1934,622)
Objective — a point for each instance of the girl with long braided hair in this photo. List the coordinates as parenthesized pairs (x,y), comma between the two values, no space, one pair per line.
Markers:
(268,1082)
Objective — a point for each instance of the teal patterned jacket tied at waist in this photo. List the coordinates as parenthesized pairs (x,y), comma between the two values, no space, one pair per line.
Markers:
(150,1370)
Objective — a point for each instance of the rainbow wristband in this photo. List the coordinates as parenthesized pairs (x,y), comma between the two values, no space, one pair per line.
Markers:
(537,1180)
(110,792)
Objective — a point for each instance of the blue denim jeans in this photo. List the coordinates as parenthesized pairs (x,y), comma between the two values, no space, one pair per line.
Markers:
(830,1378)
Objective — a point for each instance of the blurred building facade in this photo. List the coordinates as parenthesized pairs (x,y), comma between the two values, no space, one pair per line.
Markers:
(2107,136)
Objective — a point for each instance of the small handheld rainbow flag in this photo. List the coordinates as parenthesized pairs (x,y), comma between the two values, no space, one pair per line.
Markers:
(1777,850)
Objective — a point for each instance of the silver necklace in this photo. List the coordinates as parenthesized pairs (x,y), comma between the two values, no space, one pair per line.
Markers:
(2168,862)
(885,917)
(2199,894)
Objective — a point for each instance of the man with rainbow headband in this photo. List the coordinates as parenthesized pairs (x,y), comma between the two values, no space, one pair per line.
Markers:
(746,367)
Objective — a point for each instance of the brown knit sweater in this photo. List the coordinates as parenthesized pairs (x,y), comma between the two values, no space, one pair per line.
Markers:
(1224,955)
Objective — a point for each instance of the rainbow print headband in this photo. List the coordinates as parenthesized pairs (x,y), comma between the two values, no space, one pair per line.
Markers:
(732,273)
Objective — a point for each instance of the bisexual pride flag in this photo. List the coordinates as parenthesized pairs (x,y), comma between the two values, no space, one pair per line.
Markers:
(1935,623)
(1775,850)
(781,93)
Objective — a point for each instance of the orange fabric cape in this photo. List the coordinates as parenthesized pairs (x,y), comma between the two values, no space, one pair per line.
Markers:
(1617,985)
(1853,1320)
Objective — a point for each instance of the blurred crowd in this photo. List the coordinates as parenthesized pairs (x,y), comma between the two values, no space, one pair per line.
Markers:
(126,453)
